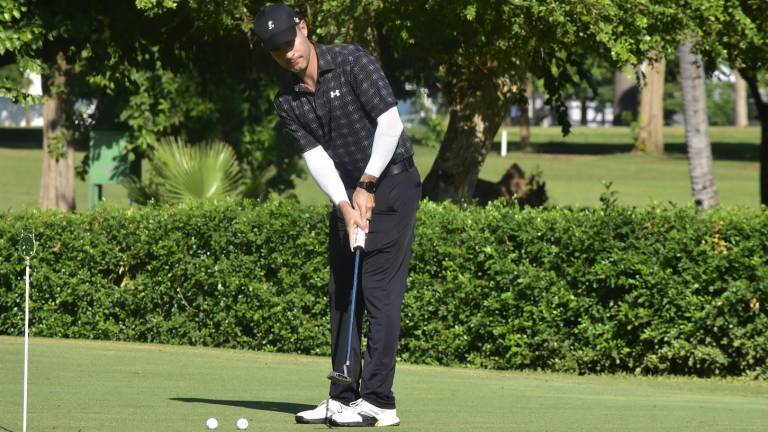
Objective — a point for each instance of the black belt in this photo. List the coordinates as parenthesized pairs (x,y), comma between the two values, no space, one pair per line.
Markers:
(398,167)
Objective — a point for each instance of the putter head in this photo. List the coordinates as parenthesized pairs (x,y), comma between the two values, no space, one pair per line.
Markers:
(339,378)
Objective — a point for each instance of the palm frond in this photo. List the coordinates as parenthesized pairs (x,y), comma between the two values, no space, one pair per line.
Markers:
(209,170)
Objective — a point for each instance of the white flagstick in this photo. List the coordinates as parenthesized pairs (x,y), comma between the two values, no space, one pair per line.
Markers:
(27,247)
(26,348)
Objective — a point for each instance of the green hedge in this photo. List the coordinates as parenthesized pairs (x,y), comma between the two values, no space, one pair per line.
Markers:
(641,290)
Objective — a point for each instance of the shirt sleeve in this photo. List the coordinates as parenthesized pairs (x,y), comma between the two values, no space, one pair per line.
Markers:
(302,141)
(388,130)
(324,172)
(371,85)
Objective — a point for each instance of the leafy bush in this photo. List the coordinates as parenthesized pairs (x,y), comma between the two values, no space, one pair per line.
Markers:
(657,290)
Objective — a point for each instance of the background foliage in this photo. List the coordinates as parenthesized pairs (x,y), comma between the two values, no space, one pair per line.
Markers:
(658,290)
(156,69)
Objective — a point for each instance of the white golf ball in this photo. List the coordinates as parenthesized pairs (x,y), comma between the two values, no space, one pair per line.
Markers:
(212,423)
(242,424)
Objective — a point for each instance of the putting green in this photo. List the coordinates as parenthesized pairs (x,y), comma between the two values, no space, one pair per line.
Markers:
(110,386)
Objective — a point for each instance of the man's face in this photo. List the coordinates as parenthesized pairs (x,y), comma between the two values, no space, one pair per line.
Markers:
(294,55)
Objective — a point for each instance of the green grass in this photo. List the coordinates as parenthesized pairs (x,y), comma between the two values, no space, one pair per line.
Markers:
(108,386)
(20,171)
(574,168)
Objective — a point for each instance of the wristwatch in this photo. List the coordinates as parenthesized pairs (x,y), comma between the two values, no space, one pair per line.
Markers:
(368,186)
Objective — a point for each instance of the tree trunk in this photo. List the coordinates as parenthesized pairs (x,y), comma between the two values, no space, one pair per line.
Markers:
(584,111)
(651,134)
(762,110)
(57,187)
(692,81)
(475,115)
(624,97)
(740,114)
(525,119)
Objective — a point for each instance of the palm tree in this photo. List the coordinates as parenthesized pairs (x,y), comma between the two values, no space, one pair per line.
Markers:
(181,172)
(702,173)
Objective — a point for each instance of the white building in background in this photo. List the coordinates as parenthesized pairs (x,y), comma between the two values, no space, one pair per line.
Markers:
(595,117)
(420,105)
(14,115)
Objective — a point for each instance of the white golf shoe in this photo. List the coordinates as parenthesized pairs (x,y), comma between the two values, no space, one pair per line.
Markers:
(362,413)
(328,407)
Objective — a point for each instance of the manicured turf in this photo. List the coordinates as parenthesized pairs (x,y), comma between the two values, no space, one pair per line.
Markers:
(20,170)
(574,168)
(106,386)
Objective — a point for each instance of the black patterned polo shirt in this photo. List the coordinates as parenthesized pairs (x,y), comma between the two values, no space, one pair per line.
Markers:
(340,115)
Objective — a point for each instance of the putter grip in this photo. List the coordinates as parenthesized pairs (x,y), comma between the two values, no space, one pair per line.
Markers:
(359,239)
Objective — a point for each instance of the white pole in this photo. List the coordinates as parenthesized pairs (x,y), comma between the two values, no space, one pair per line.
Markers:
(503,143)
(26,349)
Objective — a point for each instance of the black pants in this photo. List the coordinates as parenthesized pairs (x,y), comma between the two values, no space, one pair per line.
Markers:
(381,286)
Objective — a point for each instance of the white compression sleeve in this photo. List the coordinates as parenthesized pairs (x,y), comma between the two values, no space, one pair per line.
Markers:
(324,172)
(388,130)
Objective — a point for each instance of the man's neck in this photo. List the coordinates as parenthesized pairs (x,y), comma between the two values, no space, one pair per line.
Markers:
(309,77)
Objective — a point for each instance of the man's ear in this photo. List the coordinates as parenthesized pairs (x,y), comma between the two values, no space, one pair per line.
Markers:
(303,28)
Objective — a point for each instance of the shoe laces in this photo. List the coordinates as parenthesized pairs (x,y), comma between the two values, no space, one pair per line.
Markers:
(356,403)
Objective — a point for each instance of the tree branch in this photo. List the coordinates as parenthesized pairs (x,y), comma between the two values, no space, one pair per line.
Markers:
(762,107)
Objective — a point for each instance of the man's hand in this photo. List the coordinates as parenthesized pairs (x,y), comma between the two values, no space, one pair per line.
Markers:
(364,202)
(352,220)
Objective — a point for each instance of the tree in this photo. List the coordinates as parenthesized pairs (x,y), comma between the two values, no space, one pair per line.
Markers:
(624,97)
(740,111)
(478,53)
(23,41)
(57,186)
(483,59)
(650,137)
(153,67)
(736,31)
(525,116)
(692,80)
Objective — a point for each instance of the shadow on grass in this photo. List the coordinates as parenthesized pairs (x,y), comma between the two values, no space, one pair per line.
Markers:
(21,138)
(284,407)
(737,151)
(4,429)
(21,145)
(725,151)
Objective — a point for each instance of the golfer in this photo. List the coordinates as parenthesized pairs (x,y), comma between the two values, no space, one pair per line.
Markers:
(339,108)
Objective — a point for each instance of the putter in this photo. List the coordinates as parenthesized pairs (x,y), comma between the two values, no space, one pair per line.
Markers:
(359,246)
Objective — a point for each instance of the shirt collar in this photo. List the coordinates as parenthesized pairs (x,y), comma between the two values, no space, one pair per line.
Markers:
(324,60)
(325,64)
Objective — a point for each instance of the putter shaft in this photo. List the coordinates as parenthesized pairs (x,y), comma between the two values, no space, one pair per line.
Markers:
(343,378)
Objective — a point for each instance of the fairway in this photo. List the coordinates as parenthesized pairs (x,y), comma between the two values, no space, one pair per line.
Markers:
(20,170)
(108,386)
(574,169)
